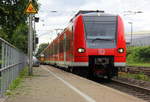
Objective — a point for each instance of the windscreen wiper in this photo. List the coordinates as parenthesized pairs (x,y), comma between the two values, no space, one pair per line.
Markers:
(102,39)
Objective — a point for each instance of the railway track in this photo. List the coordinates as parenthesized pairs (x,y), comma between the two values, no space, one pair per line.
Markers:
(126,87)
(136,70)
(137,91)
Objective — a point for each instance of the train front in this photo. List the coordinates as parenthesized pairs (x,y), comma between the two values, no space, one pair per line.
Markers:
(103,45)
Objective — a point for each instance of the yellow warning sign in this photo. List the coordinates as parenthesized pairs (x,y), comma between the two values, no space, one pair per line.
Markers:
(30,9)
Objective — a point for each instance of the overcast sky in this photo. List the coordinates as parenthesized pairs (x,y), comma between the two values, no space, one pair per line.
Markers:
(67,8)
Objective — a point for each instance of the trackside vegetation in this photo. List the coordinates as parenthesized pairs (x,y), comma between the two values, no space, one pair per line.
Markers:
(139,76)
(138,56)
(16,83)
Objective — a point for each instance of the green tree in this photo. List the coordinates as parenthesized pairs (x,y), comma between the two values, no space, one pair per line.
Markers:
(11,17)
(41,48)
(19,37)
(3,34)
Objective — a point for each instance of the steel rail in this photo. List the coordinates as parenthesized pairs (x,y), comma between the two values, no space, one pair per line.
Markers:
(131,85)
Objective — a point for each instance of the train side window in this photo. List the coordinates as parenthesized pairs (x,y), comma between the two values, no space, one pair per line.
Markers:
(72,29)
(61,46)
(52,48)
(71,38)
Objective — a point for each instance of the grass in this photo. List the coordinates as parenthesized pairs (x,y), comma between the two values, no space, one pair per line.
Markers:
(139,76)
(142,64)
(16,83)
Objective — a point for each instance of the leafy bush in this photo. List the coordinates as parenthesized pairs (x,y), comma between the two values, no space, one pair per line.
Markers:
(138,54)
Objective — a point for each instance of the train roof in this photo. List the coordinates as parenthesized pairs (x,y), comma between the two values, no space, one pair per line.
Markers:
(88,11)
(98,14)
(92,13)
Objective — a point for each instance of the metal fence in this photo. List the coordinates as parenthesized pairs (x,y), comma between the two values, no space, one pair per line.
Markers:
(12,61)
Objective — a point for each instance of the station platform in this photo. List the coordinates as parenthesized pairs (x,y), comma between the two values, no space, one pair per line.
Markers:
(50,84)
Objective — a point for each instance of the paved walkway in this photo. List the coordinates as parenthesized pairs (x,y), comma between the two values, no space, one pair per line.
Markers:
(54,85)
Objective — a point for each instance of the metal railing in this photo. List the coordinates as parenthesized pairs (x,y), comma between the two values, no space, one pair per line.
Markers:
(12,61)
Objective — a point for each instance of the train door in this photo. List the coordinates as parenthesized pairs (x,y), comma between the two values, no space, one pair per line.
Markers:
(72,43)
(64,48)
(58,50)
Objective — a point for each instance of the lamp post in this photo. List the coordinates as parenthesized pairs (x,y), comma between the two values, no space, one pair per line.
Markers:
(131,31)
(131,13)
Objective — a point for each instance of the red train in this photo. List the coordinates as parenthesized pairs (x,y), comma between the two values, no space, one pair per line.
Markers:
(93,41)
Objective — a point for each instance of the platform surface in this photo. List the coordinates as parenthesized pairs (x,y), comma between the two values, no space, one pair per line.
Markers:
(50,84)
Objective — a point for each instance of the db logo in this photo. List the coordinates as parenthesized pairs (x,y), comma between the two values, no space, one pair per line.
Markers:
(101,51)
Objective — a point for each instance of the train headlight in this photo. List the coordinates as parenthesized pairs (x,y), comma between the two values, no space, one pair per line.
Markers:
(120,50)
(81,50)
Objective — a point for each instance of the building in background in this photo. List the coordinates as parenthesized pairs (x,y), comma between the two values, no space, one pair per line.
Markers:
(138,38)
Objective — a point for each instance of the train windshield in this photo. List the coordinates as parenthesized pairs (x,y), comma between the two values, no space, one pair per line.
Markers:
(100,31)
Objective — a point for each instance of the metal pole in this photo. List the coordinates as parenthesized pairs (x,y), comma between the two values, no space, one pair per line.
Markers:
(30,45)
(34,35)
(131,32)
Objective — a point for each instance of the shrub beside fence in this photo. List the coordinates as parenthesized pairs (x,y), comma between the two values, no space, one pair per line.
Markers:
(12,61)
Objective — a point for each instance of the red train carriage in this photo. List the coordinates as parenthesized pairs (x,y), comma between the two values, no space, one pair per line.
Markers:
(41,59)
(93,40)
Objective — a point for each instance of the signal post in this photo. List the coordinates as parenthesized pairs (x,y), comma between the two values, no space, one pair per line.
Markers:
(30,10)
